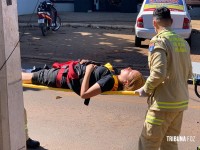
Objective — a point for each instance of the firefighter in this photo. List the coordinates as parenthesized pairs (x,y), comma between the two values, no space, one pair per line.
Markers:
(166,87)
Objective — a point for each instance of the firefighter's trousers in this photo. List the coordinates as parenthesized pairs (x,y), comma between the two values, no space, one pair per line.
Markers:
(158,126)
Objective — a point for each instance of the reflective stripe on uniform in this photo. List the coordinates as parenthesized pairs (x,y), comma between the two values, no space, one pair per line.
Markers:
(171,105)
(178,43)
(153,120)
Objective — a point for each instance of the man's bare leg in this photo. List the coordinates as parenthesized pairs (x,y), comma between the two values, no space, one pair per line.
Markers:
(27,77)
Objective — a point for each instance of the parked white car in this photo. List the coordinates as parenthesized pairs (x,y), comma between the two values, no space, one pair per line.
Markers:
(179,12)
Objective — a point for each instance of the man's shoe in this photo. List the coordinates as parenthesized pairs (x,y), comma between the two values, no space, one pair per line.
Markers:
(32,144)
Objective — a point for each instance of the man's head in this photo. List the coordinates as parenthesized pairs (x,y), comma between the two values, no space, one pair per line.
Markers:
(131,79)
(161,18)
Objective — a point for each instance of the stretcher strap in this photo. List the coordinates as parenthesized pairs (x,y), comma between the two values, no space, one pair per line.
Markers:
(68,90)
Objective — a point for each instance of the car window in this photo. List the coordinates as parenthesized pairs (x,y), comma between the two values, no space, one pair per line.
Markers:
(173,5)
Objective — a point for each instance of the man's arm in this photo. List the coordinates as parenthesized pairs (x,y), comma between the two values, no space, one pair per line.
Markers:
(158,67)
(87,62)
(86,91)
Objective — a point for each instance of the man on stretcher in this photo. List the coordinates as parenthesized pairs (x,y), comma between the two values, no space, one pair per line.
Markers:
(86,78)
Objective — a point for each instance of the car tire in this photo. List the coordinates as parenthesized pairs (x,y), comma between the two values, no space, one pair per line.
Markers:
(138,41)
(189,40)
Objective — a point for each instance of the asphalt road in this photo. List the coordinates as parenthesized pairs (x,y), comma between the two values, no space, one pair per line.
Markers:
(104,45)
(60,121)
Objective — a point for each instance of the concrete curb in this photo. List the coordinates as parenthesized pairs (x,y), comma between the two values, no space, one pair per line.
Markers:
(82,25)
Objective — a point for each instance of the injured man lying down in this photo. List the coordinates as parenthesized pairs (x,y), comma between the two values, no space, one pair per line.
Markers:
(85,77)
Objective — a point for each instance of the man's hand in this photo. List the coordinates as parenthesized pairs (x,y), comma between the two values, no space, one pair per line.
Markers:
(141,92)
(90,67)
(83,61)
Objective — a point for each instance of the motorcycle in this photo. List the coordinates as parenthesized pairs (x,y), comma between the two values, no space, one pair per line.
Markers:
(48,19)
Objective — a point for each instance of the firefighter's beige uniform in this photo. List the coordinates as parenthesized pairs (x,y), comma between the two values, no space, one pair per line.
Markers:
(170,67)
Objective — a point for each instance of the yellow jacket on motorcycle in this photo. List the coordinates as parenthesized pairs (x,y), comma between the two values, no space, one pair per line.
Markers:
(170,68)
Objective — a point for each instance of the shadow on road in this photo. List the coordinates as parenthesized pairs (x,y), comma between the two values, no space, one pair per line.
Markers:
(40,148)
(32,89)
(104,45)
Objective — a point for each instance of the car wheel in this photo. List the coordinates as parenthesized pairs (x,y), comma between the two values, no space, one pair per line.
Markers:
(138,41)
(189,40)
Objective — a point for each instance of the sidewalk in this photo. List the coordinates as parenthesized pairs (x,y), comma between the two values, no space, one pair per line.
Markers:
(91,19)
(100,19)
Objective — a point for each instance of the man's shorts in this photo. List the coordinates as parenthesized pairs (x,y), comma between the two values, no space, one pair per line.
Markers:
(45,77)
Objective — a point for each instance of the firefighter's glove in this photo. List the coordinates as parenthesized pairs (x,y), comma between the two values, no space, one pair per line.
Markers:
(141,92)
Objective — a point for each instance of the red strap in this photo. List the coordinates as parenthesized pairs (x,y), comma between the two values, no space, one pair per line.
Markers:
(70,75)
(59,77)
(61,65)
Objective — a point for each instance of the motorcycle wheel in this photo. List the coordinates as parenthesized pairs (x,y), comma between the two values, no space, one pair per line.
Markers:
(44,29)
(58,23)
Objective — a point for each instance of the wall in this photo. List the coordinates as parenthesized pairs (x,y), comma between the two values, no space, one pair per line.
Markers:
(28,6)
(64,7)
